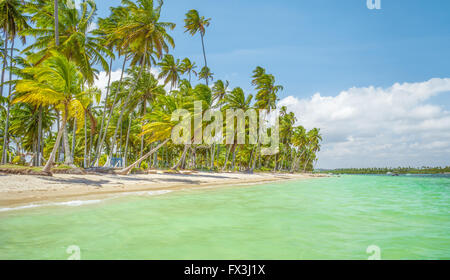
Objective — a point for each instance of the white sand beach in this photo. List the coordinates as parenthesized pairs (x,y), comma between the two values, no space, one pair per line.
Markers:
(20,189)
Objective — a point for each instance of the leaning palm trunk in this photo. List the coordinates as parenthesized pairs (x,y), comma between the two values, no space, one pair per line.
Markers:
(306,164)
(51,159)
(106,100)
(182,158)
(227,155)
(128,169)
(126,143)
(255,158)
(39,158)
(68,160)
(8,111)
(101,140)
(121,114)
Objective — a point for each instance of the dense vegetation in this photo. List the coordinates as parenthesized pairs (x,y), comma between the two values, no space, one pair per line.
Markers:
(52,113)
(398,170)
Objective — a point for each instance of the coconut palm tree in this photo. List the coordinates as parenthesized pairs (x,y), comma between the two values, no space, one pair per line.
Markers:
(313,137)
(235,100)
(160,124)
(298,140)
(195,23)
(266,97)
(170,70)
(12,21)
(206,74)
(145,35)
(220,90)
(188,67)
(56,82)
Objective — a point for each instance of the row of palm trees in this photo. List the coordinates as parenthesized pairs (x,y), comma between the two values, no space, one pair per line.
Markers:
(52,111)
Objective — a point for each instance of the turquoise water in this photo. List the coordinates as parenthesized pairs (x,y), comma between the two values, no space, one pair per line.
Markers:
(326,218)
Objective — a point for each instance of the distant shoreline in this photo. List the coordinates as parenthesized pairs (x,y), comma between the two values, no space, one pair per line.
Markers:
(21,189)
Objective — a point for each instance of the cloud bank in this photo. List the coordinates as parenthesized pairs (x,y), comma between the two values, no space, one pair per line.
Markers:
(368,127)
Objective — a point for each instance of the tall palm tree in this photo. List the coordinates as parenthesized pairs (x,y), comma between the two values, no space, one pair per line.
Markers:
(144,35)
(170,70)
(12,21)
(56,82)
(206,74)
(220,90)
(266,97)
(195,23)
(299,141)
(313,137)
(235,100)
(188,67)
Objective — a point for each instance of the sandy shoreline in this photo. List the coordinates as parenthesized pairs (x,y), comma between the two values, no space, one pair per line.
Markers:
(22,189)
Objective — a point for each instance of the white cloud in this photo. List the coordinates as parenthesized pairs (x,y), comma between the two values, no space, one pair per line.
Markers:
(371,126)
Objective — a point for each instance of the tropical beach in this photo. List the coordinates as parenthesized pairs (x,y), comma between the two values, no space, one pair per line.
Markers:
(19,190)
(192,130)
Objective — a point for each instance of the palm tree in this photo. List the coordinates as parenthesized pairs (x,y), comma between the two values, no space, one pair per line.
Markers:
(235,100)
(12,21)
(195,23)
(56,82)
(146,93)
(220,90)
(188,67)
(266,97)
(313,137)
(144,35)
(298,140)
(205,73)
(160,124)
(77,43)
(170,70)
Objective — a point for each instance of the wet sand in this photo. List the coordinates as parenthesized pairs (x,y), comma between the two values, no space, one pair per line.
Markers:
(22,189)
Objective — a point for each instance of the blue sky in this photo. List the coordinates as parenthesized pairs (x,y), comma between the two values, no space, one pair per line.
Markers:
(317,46)
(375,81)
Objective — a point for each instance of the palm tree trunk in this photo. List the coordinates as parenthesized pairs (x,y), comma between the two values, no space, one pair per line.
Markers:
(102,140)
(234,157)
(106,99)
(226,158)
(255,154)
(126,143)
(113,143)
(67,154)
(143,123)
(39,161)
(183,156)
(128,169)
(8,110)
(49,164)
(213,151)
(204,57)
(5,55)
(85,140)
(74,136)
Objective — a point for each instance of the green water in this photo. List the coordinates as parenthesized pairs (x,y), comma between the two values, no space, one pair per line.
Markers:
(327,218)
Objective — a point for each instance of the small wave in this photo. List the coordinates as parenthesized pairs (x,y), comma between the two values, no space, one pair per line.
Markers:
(75,203)
(67,203)
(158,192)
